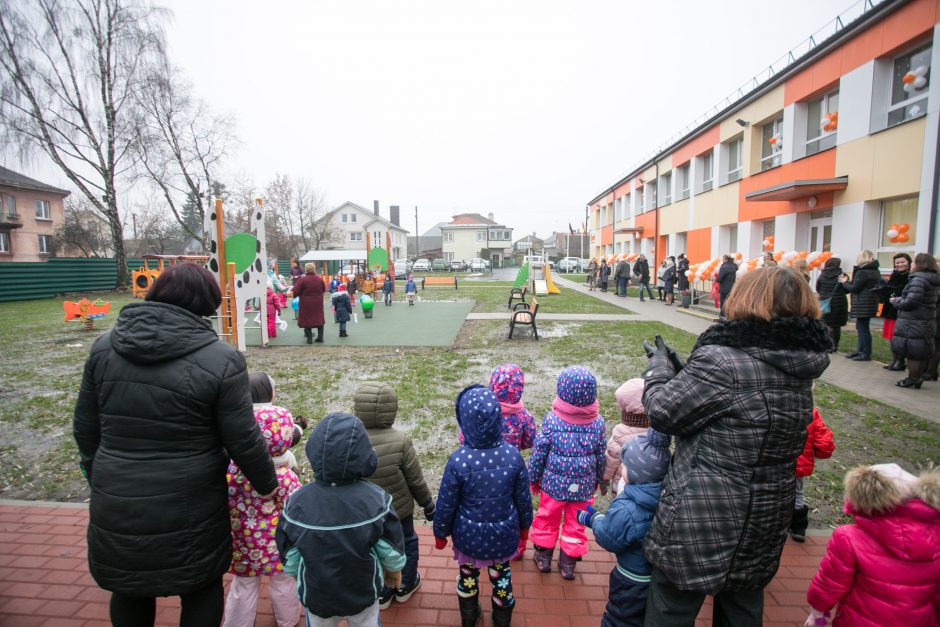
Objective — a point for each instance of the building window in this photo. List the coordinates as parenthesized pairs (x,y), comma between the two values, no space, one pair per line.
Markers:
(42,210)
(352,218)
(45,244)
(771,150)
(449,237)
(507,235)
(767,236)
(682,184)
(377,239)
(666,184)
(735,160)
(481,236)
(345,218)
(651,198)
(902,215)
(355,237)
(10,205)
(641,199)
(821,123)
(910,80)
(5,243)
(708,171)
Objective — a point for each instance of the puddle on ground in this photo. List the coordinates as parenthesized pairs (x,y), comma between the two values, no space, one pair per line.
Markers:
(556,329)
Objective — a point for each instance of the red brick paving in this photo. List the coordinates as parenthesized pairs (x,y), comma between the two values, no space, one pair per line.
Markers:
(44,581)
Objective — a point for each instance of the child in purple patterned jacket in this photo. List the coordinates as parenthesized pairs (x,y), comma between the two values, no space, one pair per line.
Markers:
(565,469)
(507,382)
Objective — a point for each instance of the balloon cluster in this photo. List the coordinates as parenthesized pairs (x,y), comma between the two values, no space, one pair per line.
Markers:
(708,269)
(611,259)
(897,234)
(830,122)
(768,242)
(776,141)
(916,79)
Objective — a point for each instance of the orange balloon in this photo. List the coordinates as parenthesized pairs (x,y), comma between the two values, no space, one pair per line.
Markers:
(903,228)
(893,227)
(903,238)
(908,78)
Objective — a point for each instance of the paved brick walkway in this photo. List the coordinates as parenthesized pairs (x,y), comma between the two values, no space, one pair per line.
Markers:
(867,379)
(44,580)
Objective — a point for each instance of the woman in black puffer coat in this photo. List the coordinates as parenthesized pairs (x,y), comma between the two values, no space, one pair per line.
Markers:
(916,325)
(896,282)
(828,287)
(865,279)
(162,407)
(739,410)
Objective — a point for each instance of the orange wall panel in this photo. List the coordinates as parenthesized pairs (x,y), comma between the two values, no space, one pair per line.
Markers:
(647,222)
(696,147)
(882,38)
(698,245)
(607,235)
(819,166)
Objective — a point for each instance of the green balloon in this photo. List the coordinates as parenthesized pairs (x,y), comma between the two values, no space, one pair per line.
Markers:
(241,250)
(367,302)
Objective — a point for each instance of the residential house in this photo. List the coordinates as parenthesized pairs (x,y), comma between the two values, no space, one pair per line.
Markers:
(521,248)
(355,225)
(834,148)
(470,235)
(30,213)
(562,244)
(428,244)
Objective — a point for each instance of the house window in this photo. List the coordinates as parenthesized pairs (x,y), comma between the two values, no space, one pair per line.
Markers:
(910,80)
(708,169)
(771,150)
(651,197)
(42,210)
(481,236)
(735,159)
(767,237)
(899,213)
(45,244)
(507,235)
(345,218)
(377,239)
(5,243)
(355,237)
(682,184)
(449,237)
(10,204)
(820,124)
(352,218)
(666,184)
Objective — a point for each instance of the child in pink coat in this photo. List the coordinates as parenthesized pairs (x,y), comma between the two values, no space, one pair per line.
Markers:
(633,422)
(883,571)
(255,517)
(274,307)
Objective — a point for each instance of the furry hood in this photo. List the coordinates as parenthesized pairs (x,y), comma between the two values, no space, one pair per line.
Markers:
(794,345)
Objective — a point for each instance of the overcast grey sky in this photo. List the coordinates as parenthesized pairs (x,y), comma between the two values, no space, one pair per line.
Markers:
(526,109)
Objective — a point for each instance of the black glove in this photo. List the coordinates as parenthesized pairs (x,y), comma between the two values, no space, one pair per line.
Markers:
(655,350)
(429,511)
(673,356)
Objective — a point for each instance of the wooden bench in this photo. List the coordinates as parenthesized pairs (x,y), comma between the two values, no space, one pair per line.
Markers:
(517,293)
(524,314)
(433,281)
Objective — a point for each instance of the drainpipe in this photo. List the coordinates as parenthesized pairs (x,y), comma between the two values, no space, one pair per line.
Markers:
(932,228)
(656,209)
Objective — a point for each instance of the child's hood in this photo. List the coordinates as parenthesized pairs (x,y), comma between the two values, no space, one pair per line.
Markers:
(339,450)
(645,495)
(507,382)
(480,417)
(376,405)
(277,427)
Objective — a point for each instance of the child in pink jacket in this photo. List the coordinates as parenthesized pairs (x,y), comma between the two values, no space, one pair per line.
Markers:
(633,422)
(274,307)
(884,570)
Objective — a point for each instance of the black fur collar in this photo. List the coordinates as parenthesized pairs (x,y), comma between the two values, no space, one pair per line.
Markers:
(781,333)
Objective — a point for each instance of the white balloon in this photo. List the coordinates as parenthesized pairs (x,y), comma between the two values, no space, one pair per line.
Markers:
(813,256)
(892,233)
(909,87)
(920,70)
(919,83)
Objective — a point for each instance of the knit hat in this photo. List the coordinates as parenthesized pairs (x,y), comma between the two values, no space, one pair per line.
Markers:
(630,400)
(577,386)
(646,457)
(341,287)
(277,427)
(507,383)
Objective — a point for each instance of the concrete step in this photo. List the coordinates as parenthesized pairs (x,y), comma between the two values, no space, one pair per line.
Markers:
(700,312)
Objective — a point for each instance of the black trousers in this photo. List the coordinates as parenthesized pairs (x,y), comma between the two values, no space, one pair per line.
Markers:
(199,608)
(308,332)
(668,606)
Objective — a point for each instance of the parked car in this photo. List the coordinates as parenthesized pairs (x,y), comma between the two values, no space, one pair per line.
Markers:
(458,265)
(534,261)
(421,265)
(402,268)
(478,264)
(439,265)
(569,264)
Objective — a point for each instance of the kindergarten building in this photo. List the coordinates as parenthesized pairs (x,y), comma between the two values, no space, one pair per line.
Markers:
(832,149)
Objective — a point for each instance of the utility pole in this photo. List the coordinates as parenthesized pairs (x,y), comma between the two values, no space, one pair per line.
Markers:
(417,235)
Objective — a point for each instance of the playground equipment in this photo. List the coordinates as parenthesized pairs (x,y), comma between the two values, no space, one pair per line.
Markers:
(143,278)
(86,311)
(543,285)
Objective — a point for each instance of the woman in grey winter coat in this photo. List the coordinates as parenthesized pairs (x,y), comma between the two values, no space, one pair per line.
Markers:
(863,287)
(163,406)
(917,312)
(739,410)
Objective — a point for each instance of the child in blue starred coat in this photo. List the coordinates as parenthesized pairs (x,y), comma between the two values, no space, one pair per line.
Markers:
(411,289)
(483,504)
(622,528)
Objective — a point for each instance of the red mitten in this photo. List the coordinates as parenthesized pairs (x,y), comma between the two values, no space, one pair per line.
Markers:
(523,536)
(535,488)
(439,543)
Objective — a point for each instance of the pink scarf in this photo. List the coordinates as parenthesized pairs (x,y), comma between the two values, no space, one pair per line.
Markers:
(512,408)
(573,414)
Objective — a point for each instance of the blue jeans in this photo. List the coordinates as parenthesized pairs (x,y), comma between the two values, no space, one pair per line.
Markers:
(410,572)
(342,327)
(864,336)
(621,287)
(645,285)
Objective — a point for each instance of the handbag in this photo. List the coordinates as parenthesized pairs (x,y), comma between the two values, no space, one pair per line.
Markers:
(825,306)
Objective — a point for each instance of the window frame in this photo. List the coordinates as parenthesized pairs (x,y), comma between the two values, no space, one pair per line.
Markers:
(912,99)
(708,184)
(905,247)
(45,242)
(9,205)
(481,235)
(667,187)
(825,139)
(344,218)
(352,218)
(775,158)
(736,173)
(5,236)
(46,214)
(355,236)
(448,237)
(683,188)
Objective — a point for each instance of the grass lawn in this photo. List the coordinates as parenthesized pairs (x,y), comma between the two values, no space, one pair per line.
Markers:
(492,297)
(43,358)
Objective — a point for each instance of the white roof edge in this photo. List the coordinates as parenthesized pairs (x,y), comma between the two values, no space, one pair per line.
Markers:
(335,255)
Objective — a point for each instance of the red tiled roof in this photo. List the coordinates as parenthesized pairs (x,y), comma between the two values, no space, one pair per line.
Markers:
(471,218)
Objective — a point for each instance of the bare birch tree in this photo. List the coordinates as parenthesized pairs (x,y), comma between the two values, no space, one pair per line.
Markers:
(318,227)
(70,71)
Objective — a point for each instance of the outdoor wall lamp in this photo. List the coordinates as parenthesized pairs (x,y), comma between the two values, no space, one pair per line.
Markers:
(743,123)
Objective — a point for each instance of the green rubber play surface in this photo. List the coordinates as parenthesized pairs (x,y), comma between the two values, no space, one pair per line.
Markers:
(423,324)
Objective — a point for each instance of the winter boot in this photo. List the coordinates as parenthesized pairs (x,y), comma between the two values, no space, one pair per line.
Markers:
(566,564)
(799,523)
(502,616)
(470,611)
(543,558)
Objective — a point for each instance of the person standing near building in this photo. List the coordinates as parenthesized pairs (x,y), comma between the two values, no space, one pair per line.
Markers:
(622,275)
(309,290)
(865,278)
(603,274)
(682,279)
(727,274)
(896,282)
(641,270)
